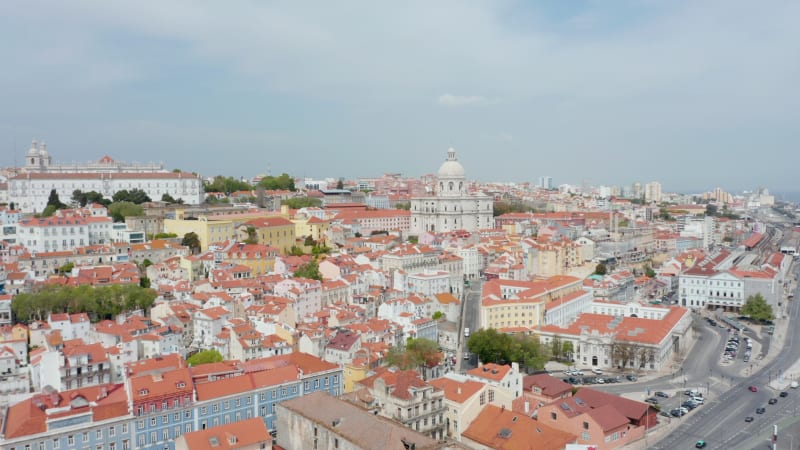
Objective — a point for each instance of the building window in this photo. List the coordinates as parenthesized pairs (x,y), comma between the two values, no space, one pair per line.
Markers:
(553,415)
(585,425)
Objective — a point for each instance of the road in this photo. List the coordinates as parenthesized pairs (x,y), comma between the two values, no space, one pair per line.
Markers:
(471,320)
(721,421)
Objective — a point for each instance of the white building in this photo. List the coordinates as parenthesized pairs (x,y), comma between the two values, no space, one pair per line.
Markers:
(451,207)
(29,192)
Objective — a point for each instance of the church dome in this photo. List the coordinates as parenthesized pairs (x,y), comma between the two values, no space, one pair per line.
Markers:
(451,168)
(34,150)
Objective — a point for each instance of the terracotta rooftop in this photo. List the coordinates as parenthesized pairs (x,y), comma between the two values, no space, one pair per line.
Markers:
(364,429)
(503,429)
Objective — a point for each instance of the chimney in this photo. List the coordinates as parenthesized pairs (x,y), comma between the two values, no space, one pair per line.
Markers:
(527,406)
(459,390)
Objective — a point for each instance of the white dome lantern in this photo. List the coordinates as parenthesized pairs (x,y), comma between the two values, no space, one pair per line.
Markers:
(451,168)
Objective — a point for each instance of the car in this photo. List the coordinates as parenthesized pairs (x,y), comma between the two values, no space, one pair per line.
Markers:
(748,419)
(597,371)
(772,401)
(652,400)
(761,410)
(698,400)
(662,394)
(663,413)
(753,389)
(466,356)
(630,377)
(700,444)
(601,381)
(784,394)
(677,412)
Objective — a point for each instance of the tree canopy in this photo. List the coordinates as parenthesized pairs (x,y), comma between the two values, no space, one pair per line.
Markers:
(280,183)
(136,196)
(120,210)
(757,308)
(301,202)
(309,270)
(227,185)
(53,204)
(204,357)
(492,346)
(600,269)
(417,353)
(191,240)
(84,198)
(102,302)
(170,199)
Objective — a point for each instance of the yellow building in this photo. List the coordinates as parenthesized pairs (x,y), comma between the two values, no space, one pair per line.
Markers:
(273,231)
(311,226)
(514,305)
(259,258)
(207,230)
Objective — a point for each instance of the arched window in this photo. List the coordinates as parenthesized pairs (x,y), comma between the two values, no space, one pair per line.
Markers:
(460,185)
(451,186)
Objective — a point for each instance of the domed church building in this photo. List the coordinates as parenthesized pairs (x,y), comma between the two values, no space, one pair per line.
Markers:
(451,207)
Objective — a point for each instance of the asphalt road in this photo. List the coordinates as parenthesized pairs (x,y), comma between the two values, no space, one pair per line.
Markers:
(471,321)
(721,421)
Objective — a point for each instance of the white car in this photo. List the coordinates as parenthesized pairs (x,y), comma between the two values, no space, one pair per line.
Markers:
(596,371)
(699,400)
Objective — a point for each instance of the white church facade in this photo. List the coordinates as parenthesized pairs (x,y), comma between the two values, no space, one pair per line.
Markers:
(452,207)
(30,191)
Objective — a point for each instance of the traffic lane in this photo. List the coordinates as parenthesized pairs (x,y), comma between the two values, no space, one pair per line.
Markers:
(721,410)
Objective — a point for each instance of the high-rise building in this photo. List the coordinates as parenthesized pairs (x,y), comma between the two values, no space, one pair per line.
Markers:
(652,192)
(546,182)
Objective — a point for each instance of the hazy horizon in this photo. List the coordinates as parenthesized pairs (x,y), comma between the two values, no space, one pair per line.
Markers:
(694,95)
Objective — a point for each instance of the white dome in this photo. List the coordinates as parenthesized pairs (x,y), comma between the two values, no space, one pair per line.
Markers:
(34,150)
(451,168)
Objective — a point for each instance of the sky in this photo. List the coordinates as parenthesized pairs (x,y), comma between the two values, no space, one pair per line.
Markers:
(693,94)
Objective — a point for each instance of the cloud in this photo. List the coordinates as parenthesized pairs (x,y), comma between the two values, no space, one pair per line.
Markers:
(460,101)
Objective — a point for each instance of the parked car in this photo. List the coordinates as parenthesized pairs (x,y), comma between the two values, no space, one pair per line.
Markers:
(630,377)
(700,444)
(784,394)
(748,419)
(652,400)
(662,394)
(772,401)
(753,389)
(761,410)
(597,371)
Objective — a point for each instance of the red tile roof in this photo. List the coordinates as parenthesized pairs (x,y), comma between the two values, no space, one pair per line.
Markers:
(503,429)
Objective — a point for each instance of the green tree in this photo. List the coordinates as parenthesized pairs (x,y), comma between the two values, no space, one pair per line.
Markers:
(84,198)
(757,308)
(165,235)
(170,199)
(120,210)
(204,357)
(600,269)
(309,270)
(144,282)
(227,185)
(711,210)
(302,202)
(102,302)
(191,240)
(403,205)
(556,347)
(309,241)
(296,251)
(53,200)
(66,268)
(136,196)
(252,235)
(281,183)
(340,184)
(649,272)
(437,315)
(417,353)
(567,349)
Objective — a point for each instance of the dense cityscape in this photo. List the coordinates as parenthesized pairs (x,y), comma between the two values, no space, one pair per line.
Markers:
(413,225)
(154,309)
